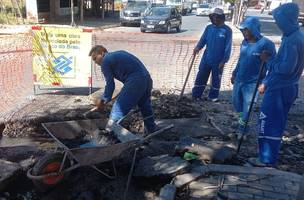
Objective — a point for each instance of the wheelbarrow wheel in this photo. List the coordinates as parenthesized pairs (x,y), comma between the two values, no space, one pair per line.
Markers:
(48,164)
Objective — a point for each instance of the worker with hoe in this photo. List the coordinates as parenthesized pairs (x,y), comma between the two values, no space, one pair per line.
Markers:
(217,38)
(247,71)
(137,87)
(280,86)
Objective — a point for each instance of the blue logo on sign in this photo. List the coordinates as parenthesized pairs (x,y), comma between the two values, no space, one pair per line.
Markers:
(62,64)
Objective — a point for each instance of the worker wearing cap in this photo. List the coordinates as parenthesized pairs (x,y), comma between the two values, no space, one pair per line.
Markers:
(280,86)
(217,39)
(137,87)
(246,72)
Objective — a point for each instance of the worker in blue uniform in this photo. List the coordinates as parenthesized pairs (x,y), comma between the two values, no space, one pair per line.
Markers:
(137,87)
(217,39)
(280,86)
(246,73)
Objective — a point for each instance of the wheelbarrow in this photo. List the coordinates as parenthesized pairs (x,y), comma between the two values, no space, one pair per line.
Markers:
(53,168)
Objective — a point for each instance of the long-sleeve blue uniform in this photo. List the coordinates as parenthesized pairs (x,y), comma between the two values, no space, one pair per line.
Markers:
(247,70)
(128,69)
(281,83)
(217,40)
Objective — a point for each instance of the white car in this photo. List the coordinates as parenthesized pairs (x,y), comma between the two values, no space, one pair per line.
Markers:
(203,10)
(195,6)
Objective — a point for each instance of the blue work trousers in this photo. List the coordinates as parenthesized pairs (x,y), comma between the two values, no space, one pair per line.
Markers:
(273,118)
(135,92)
(202,78)
(241,99)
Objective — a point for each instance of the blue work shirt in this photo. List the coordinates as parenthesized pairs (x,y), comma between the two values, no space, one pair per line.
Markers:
(218,44)
(287,67)
(249,63)
(122,66)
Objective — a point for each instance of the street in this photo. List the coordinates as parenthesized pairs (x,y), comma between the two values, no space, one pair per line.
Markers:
(192,26)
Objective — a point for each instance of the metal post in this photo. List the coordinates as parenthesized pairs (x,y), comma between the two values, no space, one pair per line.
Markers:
(81,11)
(72,13)
(240,12)
(103,9)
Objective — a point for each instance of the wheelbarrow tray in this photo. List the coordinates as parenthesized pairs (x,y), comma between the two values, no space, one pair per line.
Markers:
(94,154)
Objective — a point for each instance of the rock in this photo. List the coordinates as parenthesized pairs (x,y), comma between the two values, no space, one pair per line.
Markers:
(300,136)
(158,147)
(167,192)
(19,153)
(8,170)
(193,127)
(77,99)
(156,93)
(160,165)
(213,151)
(184,179)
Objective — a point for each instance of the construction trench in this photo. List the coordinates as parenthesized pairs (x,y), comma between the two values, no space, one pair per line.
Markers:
(194,160)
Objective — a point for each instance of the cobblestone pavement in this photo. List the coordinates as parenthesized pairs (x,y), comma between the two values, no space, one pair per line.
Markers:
(245,183)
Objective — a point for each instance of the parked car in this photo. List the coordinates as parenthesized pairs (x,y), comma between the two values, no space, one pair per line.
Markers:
(133,12)
(161,19)
(158,5)
(195,6)
(203,10)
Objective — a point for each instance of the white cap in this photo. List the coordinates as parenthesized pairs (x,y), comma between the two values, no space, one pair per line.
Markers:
(218,11)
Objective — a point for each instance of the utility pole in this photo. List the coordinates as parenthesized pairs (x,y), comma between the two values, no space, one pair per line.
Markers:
(72,13)
(81,11)
(237,13)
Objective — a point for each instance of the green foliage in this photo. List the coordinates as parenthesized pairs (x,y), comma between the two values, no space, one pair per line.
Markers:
(9,12)
(230,1)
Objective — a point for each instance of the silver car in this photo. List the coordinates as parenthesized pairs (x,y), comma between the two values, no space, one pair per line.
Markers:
(133,12)
(203,10)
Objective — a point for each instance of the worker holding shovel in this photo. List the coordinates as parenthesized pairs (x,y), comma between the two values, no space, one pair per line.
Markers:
(137,87)
(217,39)
(281,84)
(248,72)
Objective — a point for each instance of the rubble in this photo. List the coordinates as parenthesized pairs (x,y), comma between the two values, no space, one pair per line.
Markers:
(167,192)
(208,151)
(163,165)
(205,124)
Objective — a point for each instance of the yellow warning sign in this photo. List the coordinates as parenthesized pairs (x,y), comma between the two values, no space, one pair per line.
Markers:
(60,56)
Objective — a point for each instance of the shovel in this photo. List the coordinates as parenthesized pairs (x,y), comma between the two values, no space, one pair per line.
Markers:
(251,106)
(187,77)
(96,108)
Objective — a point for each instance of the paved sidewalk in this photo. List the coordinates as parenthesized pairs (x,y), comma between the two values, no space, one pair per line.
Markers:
(244,183)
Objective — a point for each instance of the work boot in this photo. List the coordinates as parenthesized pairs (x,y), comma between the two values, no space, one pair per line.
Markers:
(213,99)
(257,163)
